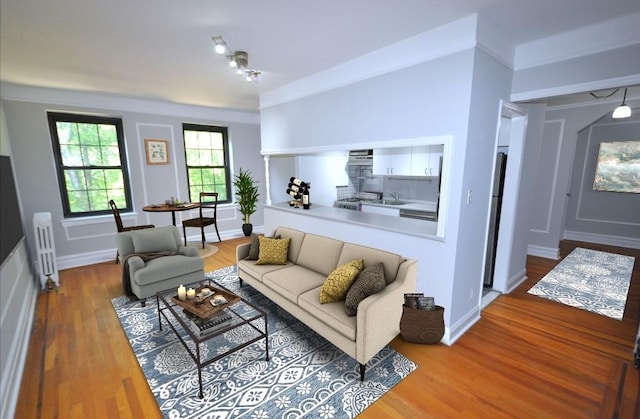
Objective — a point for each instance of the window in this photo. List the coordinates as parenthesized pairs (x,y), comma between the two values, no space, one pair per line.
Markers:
(90,156)
(207,158)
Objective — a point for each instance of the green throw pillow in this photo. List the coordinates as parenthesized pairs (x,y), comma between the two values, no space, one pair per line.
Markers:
(273,251)
(369,281)
(337,284)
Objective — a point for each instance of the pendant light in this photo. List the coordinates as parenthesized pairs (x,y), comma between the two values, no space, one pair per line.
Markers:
(622,111)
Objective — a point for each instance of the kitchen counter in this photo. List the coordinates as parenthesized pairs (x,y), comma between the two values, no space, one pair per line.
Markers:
(426,206)
(409,226)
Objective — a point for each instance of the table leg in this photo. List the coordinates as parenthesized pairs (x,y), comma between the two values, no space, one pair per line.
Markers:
(158,307)
(173,217)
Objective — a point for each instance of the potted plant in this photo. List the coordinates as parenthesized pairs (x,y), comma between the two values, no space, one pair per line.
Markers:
(247,197)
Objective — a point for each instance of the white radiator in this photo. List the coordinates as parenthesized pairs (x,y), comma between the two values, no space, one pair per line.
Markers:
(46,248)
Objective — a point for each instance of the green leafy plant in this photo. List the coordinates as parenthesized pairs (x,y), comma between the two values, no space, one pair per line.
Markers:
(246,193)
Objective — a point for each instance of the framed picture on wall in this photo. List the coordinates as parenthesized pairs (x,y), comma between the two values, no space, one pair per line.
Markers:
(157,151)
(617,167)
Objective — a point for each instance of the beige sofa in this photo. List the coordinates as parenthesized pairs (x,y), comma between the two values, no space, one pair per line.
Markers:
(295,286)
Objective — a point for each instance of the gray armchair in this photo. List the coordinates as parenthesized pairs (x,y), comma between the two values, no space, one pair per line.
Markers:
(155,260)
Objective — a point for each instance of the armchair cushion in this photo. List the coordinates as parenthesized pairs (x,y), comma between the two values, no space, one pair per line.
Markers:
(154,240)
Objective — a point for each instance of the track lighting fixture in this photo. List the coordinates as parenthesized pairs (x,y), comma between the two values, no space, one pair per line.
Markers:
(622,111)
(238,60)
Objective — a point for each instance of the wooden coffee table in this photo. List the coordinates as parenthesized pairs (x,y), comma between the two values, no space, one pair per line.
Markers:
(180,318)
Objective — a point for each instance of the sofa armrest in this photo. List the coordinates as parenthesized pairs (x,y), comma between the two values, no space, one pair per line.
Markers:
(134,263)
(242,251)
(378,318)
(188,251)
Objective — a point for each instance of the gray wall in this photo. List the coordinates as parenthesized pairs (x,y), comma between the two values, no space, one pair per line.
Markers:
(599,212)
(567,75)
(92,239)
(561,128)
(18,292)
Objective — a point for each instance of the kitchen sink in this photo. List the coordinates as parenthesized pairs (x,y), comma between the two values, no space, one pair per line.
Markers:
(391,202)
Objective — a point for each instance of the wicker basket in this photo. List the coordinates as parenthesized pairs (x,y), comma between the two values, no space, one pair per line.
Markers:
(422,326)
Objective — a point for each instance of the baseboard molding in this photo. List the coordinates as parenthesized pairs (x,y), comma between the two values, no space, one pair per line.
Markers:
(515,281)
(12,374)
(100,256)
(543,252)
(628,242)
(464,324)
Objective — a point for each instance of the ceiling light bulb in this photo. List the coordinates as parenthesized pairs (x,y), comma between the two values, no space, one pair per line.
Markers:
(233,63)
(622,111)
(239,71)
(220,49)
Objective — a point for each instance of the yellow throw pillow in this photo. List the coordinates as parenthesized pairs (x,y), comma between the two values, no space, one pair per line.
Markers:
(273,251)
(337,284)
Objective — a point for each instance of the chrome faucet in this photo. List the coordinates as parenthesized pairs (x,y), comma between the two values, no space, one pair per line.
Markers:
(395,195)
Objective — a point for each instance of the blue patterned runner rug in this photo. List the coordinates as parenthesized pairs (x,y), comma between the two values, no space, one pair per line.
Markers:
(305,376)
(591,280)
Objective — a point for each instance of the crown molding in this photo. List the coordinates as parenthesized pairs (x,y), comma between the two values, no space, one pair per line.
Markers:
(448,39)
(62,97)
(588,40)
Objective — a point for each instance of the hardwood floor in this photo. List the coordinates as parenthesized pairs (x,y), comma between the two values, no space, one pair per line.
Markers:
(527,357)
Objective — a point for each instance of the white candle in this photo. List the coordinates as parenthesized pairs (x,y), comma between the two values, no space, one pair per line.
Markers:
(191,294)
(182,293)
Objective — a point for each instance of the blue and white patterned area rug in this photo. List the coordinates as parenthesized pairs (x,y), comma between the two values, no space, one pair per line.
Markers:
(591,280)
(305,376)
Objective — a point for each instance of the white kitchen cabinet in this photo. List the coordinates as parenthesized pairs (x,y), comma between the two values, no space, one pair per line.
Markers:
(392,161)
(376,209)
(425,160)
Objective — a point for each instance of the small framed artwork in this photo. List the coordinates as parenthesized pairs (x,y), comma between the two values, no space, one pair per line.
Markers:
(157,151)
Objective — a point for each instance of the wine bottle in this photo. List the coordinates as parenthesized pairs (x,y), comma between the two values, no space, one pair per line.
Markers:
(298,182)
(294,187)
(293,193)
(305,199)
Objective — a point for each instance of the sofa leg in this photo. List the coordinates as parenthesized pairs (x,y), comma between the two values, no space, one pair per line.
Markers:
(143,302)
(362,368)
(240,282)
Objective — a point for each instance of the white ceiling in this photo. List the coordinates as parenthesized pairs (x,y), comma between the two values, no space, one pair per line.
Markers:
(162,49)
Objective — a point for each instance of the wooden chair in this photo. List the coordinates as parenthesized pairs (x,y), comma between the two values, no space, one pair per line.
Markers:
(120,227)
(201,222)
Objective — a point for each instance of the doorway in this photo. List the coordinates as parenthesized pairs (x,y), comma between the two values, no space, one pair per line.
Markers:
(501,225)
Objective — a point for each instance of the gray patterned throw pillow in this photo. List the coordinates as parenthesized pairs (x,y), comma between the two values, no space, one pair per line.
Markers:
(369,281)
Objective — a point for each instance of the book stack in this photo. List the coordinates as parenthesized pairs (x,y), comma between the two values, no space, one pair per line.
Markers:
(211,324)
(419,301)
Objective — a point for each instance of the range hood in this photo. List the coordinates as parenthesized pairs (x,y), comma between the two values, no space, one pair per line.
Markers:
(360,158)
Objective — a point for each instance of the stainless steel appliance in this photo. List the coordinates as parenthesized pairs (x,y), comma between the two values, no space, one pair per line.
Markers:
(360,158)
(494,220)
(348,203)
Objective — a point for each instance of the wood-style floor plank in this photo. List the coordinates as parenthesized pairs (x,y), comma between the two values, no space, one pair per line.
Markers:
(527,357)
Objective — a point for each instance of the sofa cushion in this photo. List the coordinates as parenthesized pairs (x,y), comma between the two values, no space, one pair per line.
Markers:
(167,267)
(254,247)
(154,240)
(332,313)
(368,282)
(391,261)
(273,251)
(320,253)
(296,236)
(337,284)
(258,271)
(293,281)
